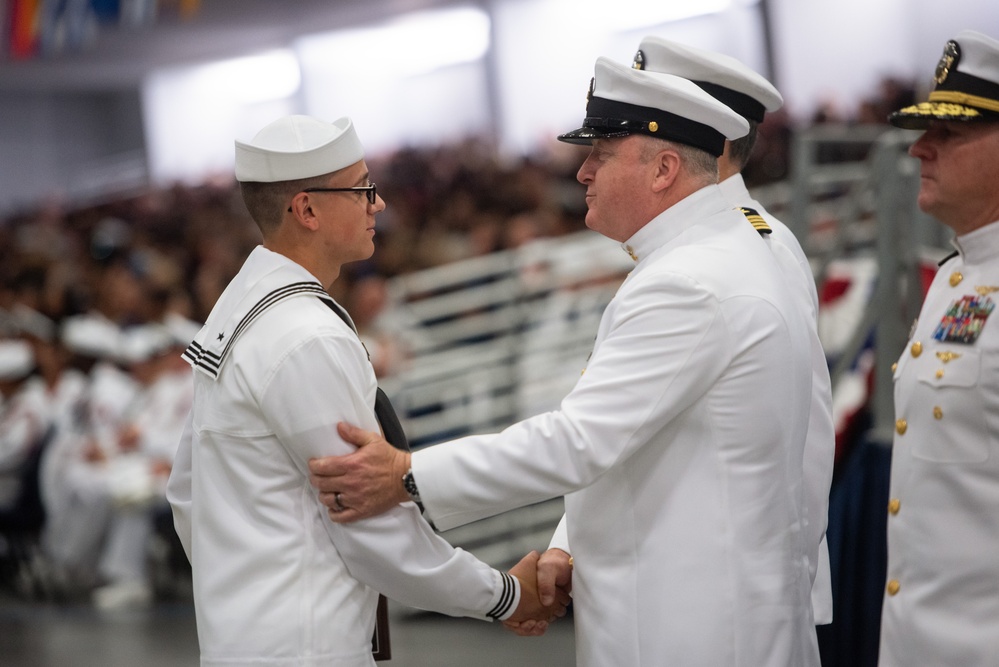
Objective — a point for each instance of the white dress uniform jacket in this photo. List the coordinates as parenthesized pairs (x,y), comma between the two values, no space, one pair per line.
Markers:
(942,598)
(820,442)
(275,582)
(24,419)
(679,452)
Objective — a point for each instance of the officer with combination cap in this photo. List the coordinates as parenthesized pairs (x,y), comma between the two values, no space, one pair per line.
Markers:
(277,365)
(941,604)
(752,96)
(679,449)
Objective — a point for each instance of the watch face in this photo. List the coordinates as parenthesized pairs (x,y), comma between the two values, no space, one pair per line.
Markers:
(410,484)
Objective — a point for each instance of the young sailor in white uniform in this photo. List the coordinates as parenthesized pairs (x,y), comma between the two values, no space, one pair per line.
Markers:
(277,365)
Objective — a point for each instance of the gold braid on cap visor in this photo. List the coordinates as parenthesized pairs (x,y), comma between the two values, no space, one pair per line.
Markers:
(940,109)
(956,97)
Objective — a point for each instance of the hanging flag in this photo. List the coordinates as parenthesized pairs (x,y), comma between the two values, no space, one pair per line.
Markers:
(24,28)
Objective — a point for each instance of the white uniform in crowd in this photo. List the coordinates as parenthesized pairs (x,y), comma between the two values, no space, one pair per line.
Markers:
(24,417)
(137,467)
(75,487)
(679,452)
(942,602)
(100,494)
(275,581)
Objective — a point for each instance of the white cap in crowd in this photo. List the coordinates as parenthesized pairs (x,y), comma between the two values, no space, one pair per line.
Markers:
(181,329)
(624,100)
(7,326)
(32,323)
(16,360)
(144,342)
(296,147)
(965,85)
(91,336)
(726,79)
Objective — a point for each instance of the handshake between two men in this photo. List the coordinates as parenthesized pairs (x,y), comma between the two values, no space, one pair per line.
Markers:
(368,482)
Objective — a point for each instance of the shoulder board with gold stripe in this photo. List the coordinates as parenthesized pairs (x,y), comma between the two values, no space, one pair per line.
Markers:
(756,220)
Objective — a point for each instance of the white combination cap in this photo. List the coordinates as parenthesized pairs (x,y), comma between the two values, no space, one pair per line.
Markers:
(624,100)
(297,147)
(966,85)
(723,77)
(16,360)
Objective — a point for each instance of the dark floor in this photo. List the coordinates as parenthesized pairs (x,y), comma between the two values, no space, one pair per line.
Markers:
(36,634)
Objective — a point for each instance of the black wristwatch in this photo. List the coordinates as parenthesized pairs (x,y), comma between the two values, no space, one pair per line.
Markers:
(410,485)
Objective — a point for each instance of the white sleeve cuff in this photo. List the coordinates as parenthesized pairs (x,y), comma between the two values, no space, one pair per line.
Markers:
(560,538)
(509,598)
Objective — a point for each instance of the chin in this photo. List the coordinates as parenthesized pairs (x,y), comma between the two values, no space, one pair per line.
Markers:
(926,203)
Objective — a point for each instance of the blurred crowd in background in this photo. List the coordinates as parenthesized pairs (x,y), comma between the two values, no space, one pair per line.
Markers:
(98,299)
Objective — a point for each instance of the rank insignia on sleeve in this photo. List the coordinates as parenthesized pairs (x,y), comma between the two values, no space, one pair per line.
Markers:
(756,220)
(964,320)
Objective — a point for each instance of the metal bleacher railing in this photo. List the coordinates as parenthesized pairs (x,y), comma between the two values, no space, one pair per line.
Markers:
(873,201)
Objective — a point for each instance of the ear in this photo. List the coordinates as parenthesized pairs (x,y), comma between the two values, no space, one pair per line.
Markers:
(665,169)
(301,211)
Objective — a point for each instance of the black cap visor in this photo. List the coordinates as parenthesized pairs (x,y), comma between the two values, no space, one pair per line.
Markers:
(600,128)
(607,119)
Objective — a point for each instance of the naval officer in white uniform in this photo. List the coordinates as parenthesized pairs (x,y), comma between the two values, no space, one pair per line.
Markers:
(941,604)
(277,365)
(751,96)
(679,451)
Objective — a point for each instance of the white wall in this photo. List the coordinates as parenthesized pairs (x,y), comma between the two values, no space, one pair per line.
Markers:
(401,91)
(546,61)
(530,87)
(193,114)
(838,50)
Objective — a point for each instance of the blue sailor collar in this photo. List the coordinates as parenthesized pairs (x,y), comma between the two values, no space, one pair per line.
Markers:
(265,279)
(675,220)
(979,246)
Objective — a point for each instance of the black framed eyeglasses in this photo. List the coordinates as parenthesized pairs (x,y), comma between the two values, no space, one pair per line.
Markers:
(371,190)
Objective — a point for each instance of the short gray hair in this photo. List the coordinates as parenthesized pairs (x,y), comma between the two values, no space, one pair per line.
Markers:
(698,162)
